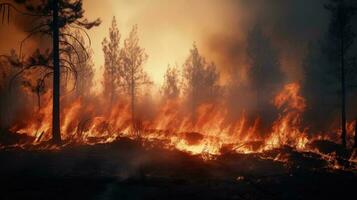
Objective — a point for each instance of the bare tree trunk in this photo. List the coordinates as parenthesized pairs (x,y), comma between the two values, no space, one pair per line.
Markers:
(56,134)
(133,100)
(194,98)
(193,108)
(38,100)
(355,133)
(111,89)
(111,83)
(343,94)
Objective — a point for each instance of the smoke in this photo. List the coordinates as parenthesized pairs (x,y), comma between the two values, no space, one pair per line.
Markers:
(290,24)
(12,34)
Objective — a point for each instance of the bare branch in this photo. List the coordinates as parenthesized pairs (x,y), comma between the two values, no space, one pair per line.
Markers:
(79,42)
(9,5)
(75,77)
(73,48)
(28,37)
(13,78)
(84,31)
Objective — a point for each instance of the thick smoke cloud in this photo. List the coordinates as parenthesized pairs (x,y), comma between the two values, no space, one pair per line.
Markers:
(290,24)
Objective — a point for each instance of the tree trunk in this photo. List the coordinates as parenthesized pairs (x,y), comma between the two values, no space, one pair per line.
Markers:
(56,134)
(194,98)
(133,100)
(38,100)
(355,133)
(193,108)
(343,94)
(111,89)
(111,83)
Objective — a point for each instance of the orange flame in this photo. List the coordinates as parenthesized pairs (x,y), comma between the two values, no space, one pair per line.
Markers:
(95,121)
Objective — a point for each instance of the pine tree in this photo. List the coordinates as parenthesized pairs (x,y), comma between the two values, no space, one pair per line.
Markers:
(111,50)
(171,86)
(54,19)
(264,72)
(132,71)
(342,34)
(200,80)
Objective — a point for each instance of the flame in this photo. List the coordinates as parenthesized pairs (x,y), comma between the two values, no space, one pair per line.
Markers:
(287,128)
(93,120)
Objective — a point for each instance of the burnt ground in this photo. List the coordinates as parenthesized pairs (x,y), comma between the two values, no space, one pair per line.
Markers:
(126,170)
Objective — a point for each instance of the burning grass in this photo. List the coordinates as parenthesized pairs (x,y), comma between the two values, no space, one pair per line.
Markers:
(209,136)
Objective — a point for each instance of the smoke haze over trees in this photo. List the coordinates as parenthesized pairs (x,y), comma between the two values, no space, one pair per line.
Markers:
(200,80)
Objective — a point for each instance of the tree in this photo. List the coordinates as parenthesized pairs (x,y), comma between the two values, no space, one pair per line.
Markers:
(171,87)
(355,138)
(264,72)
(111,52)
(200,80)
(342,34)
(54,19)
(319,86)
(132,59)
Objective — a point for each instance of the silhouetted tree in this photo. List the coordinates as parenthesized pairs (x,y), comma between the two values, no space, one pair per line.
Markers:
(53,18)
(111,52)
(264,72)
(341,32)
(38,89)
(171,86)
(132,59)
(200,80)
(319,86)
(355,138)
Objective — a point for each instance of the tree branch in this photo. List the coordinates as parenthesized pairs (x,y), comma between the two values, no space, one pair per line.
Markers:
(9,5)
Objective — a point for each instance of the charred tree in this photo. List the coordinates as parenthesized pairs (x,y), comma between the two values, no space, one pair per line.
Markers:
(319,86)
(342,34)
(56,134)
(355,138)
(54,19)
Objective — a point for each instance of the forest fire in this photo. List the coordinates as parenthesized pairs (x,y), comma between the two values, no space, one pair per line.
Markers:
(174,129)
(234,100)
